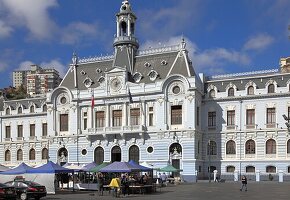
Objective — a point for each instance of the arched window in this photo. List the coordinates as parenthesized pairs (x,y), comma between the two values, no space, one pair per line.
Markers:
(19,155)
(211,148)
(44,154)
(231,92)
(212,93)
(134,153)
(288,169)
(271,169)
(250,90)
(44,108)
(7,155)
(31,109)
(271,88)
(250,147)
(124,28)
(231,168)
(271,146)
(250,169)
(31,154)
(19,110)
(7,111)
(231,147)
(116,154)
(99,155)
(288,146)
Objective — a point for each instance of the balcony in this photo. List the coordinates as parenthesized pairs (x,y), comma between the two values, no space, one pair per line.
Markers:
(20,138)
(33,138)
(8,139)
(231,127)
(116,129)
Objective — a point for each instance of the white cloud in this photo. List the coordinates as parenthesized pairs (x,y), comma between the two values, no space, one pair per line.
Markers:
(212,60)
(76,32)
(171,20)
(53,64)
(5,30)
(259,42)
(33,14)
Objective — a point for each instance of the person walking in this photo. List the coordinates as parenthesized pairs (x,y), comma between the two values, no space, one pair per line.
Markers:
(100,181)
(244,183)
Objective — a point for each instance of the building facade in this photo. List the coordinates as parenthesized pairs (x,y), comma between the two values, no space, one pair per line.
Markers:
(38,81)
(150,105)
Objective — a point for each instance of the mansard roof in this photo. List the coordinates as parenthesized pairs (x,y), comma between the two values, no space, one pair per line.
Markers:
(240,80)
(165,61)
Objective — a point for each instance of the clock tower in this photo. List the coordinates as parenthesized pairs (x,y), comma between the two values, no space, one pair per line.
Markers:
(125,42)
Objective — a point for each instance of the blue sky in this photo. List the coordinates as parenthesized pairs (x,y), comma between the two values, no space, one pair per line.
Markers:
(222,36)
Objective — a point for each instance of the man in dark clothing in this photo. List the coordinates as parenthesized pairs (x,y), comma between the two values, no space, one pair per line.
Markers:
(244,183)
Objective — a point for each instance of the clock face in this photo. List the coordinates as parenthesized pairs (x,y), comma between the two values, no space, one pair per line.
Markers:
(116,84)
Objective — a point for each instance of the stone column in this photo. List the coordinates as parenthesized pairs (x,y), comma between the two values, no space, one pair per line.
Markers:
(280,176)
(257,176)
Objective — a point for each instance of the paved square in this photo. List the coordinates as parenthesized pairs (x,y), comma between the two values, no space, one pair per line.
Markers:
(199,191)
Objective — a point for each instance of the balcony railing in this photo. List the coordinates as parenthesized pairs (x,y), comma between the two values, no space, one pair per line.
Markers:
(114,129)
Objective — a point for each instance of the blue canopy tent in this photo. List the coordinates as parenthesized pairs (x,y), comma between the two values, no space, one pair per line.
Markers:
(88,167)
(51,167)
(119,167)
(142,168)
(20,169)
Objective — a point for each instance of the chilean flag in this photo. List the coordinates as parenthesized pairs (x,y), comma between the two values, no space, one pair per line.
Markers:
(93,100)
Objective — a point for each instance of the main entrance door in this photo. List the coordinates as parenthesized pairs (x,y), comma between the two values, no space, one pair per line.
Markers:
(116,154)
(175,153)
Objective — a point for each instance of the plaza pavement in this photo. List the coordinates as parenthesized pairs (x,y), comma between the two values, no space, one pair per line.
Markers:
(197,191)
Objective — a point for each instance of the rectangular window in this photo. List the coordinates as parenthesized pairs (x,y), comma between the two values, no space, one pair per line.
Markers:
(19,131)
(32,130)
(271,117)
(151,116)
(135,116)
(117,117)
(7,132)
(197,116)
(211,119)
(250,118)
(44,129)
(63,122)
(85,125)
(100,119)
(176,115)
(231,118)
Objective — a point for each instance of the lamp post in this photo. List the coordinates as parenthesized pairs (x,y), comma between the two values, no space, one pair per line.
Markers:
(209,167)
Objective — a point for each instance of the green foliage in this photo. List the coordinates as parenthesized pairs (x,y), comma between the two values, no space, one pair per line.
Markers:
(16,93)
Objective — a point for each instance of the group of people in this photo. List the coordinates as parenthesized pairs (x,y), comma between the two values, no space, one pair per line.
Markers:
(121,183)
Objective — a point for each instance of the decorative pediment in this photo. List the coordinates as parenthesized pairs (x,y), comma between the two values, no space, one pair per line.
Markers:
(231,107)
(270,105)
(251,106)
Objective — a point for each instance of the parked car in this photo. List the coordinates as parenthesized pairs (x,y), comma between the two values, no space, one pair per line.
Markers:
(28,189)
(7,192)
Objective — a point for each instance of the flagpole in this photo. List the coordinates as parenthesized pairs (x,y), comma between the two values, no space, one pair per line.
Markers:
(92,107)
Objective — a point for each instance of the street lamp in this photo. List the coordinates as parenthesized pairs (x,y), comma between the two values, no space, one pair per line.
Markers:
(209,167)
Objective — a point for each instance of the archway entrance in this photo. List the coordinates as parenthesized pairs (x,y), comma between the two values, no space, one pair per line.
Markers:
(116,154)
(175,155)
(99,155)
(62,156)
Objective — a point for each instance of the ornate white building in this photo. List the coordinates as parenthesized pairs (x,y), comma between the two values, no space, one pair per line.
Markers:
(151,106)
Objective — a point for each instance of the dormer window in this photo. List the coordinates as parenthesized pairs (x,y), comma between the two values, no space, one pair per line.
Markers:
(163,62)
(152,75)
(88,82)
(147,64)
(19,110)
(231,92)
(212,93)
(271,88)
(98,70)
(137,77)
(101,79)
(7,111)
(251,90)
(83,72)
(31,109)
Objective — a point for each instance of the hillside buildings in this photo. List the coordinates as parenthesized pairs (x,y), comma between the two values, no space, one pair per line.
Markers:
(150,105)
(37,80)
